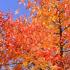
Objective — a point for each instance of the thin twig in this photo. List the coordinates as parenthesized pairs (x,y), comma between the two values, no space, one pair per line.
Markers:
(10,64)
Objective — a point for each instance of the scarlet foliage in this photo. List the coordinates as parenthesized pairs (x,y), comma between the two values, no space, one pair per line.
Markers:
(40,45)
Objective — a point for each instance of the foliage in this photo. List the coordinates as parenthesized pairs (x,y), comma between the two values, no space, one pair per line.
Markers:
(41,45)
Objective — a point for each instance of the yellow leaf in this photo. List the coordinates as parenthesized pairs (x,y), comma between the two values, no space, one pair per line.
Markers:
(25,63)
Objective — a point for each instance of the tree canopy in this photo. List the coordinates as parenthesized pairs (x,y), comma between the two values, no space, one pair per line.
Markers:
(39,42)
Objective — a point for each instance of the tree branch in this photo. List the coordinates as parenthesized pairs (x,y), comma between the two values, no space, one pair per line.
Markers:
(2,64)
(66,51)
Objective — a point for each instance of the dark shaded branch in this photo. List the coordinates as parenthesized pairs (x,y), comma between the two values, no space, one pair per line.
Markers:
(66,51)
(60,31)
(66,27)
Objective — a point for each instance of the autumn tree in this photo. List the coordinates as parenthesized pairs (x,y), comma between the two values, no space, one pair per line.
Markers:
(39,42)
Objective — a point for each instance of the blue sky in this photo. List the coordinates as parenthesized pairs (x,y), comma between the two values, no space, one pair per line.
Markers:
(12,5)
